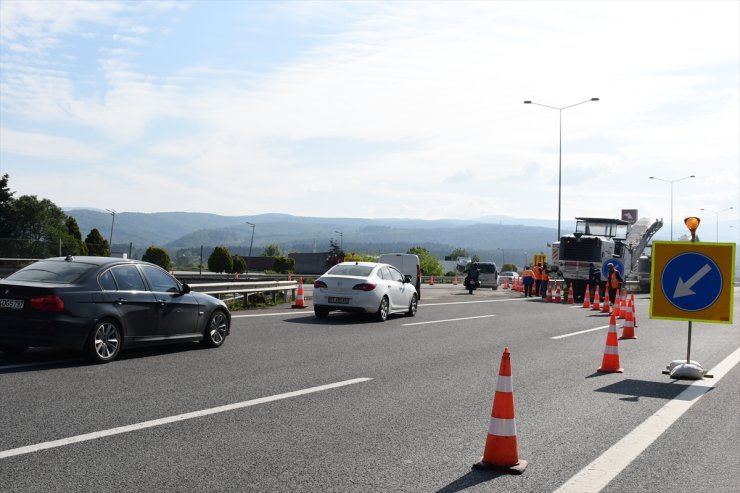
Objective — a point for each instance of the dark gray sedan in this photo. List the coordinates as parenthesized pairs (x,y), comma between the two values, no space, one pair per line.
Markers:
(100,305)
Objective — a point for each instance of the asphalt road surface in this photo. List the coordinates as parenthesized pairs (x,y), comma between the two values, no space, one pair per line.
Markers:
(292,403)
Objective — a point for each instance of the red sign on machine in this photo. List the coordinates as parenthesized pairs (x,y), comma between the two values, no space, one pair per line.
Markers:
(629,215)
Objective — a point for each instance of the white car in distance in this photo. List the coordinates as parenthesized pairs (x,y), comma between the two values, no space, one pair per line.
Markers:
(364,287)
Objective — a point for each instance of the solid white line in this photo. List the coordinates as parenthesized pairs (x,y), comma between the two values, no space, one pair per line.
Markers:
(448,320)
(468,302)
(172,419)
(580,332)
(595,476)
(40,363)
(299,312)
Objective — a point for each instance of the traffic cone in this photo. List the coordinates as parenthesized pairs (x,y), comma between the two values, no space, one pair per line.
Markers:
(558,296)
(628,330)
(634,310)
(290,276)
(299,300)
(597,299)
(606,308)
(454,282)
(617,305)
(431,281)
(610,362)
(571,300)
(587,298)
(236,276)
(501,452)
(623,305)
(549,293)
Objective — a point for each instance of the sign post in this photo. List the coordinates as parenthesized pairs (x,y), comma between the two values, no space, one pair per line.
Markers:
(693,282)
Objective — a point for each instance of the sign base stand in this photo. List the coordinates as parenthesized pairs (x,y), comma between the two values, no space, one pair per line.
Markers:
(686,369)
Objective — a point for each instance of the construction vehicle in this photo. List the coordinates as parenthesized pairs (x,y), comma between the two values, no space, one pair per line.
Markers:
(601,241)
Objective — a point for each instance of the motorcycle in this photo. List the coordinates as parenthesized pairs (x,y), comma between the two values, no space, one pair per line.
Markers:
(471,283)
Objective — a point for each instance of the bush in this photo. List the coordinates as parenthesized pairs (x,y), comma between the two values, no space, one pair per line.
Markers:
(284,265)
(239,264)
(157,256)
(220,260)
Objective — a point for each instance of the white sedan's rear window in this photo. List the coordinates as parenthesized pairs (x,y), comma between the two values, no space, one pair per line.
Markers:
(351,270)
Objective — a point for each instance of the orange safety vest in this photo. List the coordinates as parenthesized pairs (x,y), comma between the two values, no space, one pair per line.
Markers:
(537,272)
(545,276)
(613,280)
(528,273)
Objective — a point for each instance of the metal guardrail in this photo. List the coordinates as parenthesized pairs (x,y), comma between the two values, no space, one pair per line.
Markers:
(244,289)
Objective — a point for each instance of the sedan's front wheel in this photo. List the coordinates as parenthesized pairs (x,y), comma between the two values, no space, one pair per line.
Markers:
(104,342)
(13,348)
(217,330)
(383,309)
(413,306)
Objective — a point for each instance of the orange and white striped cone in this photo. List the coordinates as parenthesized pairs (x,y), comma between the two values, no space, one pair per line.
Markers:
(571,299)
(606,308)
(431,281)
(610,362)
(617,309)
(299,297)
(623,305)
(634,310)
(549,293)
(454,281)
(587,298)
(558,295)
(628,330)
(501,452)
(506,283)
(290,276)
(597,300)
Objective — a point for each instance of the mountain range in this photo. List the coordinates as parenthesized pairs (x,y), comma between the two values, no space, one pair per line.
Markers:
(180,230)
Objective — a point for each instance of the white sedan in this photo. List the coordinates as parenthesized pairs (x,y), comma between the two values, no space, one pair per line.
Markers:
(364,287)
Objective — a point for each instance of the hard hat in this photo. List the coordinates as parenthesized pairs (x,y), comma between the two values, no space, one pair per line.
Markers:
(610,265)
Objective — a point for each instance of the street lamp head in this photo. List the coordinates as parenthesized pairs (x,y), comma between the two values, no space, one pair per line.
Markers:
(527,102)
(594,99)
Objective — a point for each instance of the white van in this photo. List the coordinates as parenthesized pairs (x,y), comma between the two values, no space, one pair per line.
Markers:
(488,274)
(408,264)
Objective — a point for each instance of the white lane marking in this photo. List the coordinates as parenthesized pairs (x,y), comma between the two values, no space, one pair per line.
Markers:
(595,476)
(172,419)
(468,302)
(580,332)
(40,363)
(448,320)
(269,314)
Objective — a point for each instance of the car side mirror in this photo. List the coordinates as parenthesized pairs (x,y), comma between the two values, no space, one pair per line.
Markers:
(185,288)
(407,278)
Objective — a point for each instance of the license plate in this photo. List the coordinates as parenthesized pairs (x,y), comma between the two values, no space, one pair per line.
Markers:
(342,301)
(11,304)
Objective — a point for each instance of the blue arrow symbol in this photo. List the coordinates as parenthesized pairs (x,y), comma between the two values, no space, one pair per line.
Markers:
(683,288)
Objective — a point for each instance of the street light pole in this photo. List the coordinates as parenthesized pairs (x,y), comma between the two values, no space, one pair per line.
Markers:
(341,240)
(560,149)
(672,182)
(252,240)
(112,212)
(716,219)
(503,257)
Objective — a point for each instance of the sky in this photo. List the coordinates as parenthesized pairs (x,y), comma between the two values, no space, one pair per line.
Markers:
(376,109)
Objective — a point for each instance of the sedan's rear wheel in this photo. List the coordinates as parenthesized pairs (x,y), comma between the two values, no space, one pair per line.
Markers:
(383,309)
(413,306)
(217,329)
(13,348)
(104,342)
(321,312)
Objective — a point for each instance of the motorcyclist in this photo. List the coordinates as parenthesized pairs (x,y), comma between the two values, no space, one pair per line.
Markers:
(471,281)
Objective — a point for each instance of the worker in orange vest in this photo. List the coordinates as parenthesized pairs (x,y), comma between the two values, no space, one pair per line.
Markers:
(613,282)
(528,281)
(537,277)
(543,282)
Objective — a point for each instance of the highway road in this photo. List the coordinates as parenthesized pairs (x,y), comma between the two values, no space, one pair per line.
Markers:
(292,403)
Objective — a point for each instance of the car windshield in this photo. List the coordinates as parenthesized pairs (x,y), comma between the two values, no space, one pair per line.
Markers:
(487,268)
(56,271)
(351,270)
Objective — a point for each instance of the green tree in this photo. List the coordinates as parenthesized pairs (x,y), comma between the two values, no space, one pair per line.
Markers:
(284,265)
(336,254)
(238,264)
(97,246)
(272,250)
(78,246)
(6,202)
(459,252)
(430,265)
(157,256)
(36,226)
(220,260)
